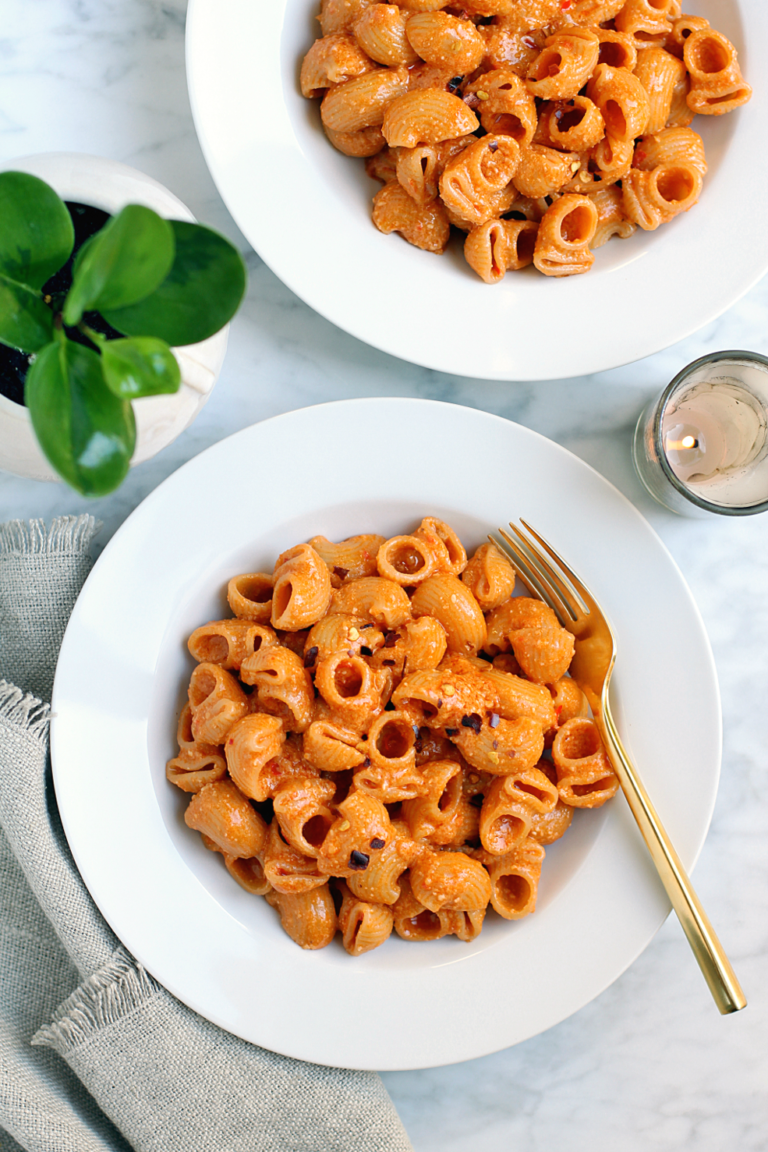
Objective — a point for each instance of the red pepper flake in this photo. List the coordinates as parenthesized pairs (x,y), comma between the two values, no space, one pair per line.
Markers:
(310,656)
(564,4)
(495,745)
(366,651)
(390,639)
(366,762)
(494,720)
(377,842)
(342,573)
(493,146)
(451,731)
(472,721)
(358,861)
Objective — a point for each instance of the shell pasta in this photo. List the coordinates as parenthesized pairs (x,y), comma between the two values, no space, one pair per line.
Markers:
(526,126)
(394,747)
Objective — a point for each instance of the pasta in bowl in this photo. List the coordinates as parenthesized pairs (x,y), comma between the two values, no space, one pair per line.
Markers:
(539,128)
(364,740)
(123,679)
(306,208)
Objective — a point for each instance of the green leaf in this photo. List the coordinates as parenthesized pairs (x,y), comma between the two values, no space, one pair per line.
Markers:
(200,295)
(26,322)
(85,431)
(81,253)
(123,262)
(142,366)
(36,232)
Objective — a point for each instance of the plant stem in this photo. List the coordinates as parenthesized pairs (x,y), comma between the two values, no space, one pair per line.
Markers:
(95,337)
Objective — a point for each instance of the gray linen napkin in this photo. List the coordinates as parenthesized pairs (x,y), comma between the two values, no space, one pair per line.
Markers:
(142,1071)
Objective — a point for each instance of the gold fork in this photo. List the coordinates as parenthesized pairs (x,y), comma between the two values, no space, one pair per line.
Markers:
(548,577)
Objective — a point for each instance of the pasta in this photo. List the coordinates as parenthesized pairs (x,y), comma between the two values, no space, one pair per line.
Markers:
(489,117)
(395,751)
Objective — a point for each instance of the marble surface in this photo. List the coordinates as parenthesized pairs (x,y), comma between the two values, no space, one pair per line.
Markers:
(650,1064)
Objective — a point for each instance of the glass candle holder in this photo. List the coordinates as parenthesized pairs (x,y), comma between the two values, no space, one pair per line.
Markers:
(702,446)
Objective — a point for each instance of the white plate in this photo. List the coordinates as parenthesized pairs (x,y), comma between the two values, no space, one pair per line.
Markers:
(338,469)
(306,209)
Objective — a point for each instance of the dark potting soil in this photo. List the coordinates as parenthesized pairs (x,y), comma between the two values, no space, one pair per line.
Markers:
(14,364)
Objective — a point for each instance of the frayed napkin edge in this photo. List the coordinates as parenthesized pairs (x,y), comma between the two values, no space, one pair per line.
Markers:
(23,710)
(32,538)
(121,986)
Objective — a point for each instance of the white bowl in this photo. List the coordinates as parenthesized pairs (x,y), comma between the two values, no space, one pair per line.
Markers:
(306,209)
(121,682)
(109,185)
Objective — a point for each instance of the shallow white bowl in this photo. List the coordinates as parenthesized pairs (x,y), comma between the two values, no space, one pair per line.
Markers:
(306,210)
(339,469)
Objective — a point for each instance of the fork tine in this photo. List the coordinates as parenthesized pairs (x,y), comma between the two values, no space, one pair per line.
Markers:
(559,590)
(523,569)
(517,560)
(577,587)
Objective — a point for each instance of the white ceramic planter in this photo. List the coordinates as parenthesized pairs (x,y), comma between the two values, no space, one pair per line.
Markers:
(108,185)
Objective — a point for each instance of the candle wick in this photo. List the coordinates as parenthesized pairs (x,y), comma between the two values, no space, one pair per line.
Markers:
(687,442)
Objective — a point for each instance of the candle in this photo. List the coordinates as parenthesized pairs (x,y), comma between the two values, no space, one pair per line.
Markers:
(702,446)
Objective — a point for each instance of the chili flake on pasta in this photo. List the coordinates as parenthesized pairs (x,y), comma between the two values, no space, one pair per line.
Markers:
(539,128)
(384,737)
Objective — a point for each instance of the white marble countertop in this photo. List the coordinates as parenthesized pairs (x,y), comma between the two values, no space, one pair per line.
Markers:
(650,1064)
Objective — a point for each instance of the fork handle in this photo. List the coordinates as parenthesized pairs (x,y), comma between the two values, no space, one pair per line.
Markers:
(706,947)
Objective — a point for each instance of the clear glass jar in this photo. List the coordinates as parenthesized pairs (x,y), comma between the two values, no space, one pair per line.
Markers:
(701,447)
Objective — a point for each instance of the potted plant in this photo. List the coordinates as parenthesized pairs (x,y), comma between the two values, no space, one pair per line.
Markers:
(98,311)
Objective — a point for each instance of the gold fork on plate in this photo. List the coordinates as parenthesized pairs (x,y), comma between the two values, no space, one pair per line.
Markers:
(547,576)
